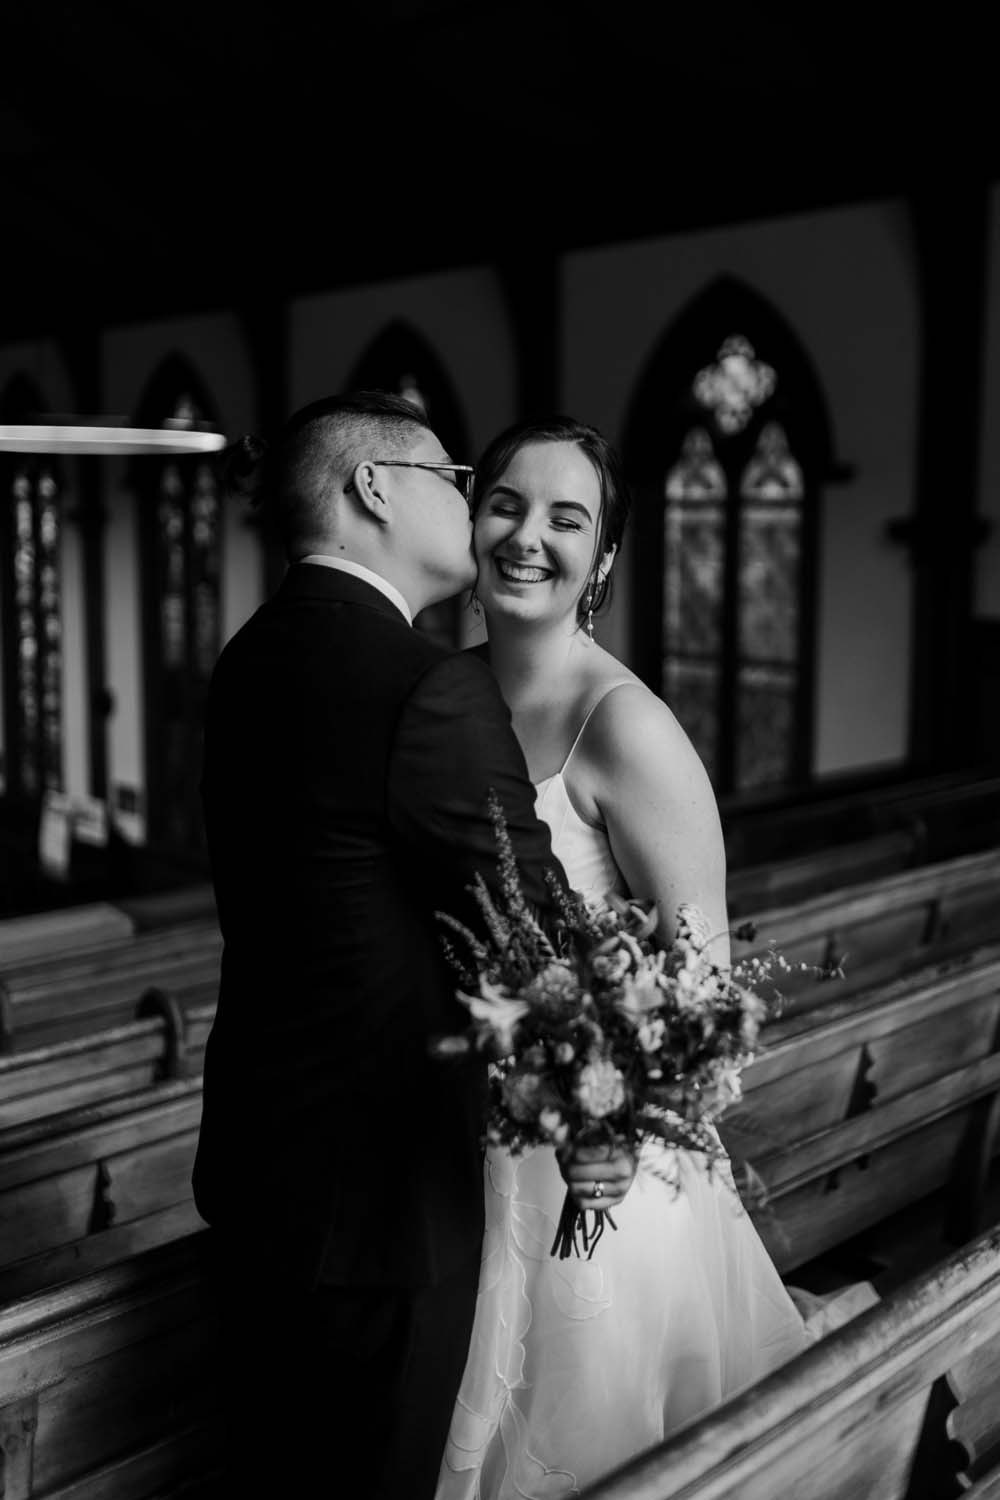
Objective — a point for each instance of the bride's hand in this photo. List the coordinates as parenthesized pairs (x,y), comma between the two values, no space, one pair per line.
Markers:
(598,1176)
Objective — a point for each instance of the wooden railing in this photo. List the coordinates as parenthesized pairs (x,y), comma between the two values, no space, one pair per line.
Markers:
(843,1421)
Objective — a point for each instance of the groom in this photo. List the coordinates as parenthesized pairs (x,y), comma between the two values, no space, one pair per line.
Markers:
(347,764)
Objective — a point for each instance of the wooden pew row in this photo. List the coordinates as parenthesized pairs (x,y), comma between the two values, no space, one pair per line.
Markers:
(952,813)
(876,1100)
(898,922)
(49,1001)
(94,1185)
(884,927)
(107,1384)
(864,1414)
(187,903)
(796,877)
(162,1044)
(69,929)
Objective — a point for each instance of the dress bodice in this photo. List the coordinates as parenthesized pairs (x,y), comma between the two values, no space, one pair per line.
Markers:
(582,849)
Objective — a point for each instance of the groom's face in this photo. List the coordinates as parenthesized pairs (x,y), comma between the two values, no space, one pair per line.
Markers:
(435,521)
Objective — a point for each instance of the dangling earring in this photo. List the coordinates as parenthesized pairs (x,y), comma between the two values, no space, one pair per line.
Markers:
(477,608)
(590,617)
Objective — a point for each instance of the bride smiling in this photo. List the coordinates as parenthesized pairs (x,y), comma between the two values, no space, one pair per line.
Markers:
(575,1366)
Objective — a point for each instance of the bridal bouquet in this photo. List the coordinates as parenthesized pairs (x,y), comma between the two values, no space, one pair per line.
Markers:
(597,1035)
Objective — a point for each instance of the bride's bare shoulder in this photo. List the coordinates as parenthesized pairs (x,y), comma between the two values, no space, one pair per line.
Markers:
(634,733)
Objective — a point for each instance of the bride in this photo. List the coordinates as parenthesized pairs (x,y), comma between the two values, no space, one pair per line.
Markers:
(576,1365)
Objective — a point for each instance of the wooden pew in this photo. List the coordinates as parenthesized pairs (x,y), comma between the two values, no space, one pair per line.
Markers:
(161,1044)
(864,1414)
(952,813)
(51,1000)
(884,927)
(794,878)
(898,1078)
(186,903)
(874,1101)
(96,1184)
(106,1384)
(68,929)
(850,1113)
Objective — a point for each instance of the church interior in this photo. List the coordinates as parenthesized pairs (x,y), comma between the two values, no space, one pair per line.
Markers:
(761,254)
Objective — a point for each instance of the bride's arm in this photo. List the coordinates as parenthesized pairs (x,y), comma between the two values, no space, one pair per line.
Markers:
(658,806)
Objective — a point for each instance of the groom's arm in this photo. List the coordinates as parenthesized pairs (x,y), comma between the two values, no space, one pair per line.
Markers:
(453,743)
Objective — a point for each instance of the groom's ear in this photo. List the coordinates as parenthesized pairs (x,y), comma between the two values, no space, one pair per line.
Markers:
(369,486)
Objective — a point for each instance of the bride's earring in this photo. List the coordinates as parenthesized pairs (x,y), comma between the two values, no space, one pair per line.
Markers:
(477,608)
(590,616)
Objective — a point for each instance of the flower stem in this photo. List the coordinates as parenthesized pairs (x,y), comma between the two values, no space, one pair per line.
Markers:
(573,1222)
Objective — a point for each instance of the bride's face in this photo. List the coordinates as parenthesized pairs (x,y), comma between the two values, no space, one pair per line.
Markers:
(536,534)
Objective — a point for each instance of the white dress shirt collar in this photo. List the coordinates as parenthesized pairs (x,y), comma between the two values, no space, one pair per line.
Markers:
(358,570)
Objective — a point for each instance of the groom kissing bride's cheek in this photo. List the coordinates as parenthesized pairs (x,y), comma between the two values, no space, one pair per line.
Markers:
(400,1297)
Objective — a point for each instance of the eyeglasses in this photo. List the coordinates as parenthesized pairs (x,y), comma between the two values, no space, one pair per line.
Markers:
(462,475)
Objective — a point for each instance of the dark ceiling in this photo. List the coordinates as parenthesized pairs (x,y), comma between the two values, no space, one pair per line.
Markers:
(174,157)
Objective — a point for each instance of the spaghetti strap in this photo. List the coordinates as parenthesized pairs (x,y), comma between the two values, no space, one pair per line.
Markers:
(625,682)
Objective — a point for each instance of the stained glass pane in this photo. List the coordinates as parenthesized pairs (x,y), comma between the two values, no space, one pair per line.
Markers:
(773,473)
(172,567)
(691,689)
(771,548)
(735,384)
(693,579)
(697,474)
(186,596)
(51,632)
(205,520)
(766,726)
(38,648)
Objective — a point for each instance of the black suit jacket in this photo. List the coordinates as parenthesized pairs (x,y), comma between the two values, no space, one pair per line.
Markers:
(347,764)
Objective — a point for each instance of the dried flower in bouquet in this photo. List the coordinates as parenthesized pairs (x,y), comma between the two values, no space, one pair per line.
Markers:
(598,1035)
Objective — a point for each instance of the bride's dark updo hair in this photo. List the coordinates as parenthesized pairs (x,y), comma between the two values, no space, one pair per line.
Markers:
(616,499)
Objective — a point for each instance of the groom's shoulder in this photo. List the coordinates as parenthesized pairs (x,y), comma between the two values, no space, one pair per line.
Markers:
(457,689)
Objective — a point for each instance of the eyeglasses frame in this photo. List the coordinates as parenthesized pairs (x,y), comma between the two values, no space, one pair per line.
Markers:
(409,463)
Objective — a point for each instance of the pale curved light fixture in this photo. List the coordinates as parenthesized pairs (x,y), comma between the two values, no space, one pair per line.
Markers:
(106,435)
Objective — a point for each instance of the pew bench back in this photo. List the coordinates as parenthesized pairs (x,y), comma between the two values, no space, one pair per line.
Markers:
(882,928)
(94,1185)
(69,929)
(106,1383)
(854,1111)
(859,1415)
(104,1064)
(49,1001)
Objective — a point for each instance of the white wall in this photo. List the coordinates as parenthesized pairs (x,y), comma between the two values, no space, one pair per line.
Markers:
(461,314)
(844,281)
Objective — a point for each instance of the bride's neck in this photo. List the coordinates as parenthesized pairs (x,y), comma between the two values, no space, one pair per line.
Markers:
(530,661)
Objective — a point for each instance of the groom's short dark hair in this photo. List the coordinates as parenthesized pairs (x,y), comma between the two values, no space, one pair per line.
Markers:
(294,479)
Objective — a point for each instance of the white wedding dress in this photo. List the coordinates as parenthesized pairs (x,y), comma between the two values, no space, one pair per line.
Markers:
(576,1365)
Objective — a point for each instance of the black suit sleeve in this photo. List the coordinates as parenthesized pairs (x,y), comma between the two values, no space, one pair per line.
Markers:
(454,742)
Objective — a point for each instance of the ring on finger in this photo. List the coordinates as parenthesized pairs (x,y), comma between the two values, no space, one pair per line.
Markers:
(598,1189)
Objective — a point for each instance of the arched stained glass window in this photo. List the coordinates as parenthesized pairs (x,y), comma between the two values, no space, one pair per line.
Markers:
(180,501)
(401,361)
(770,577)
(31,537)
(695,524)
(725,443)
